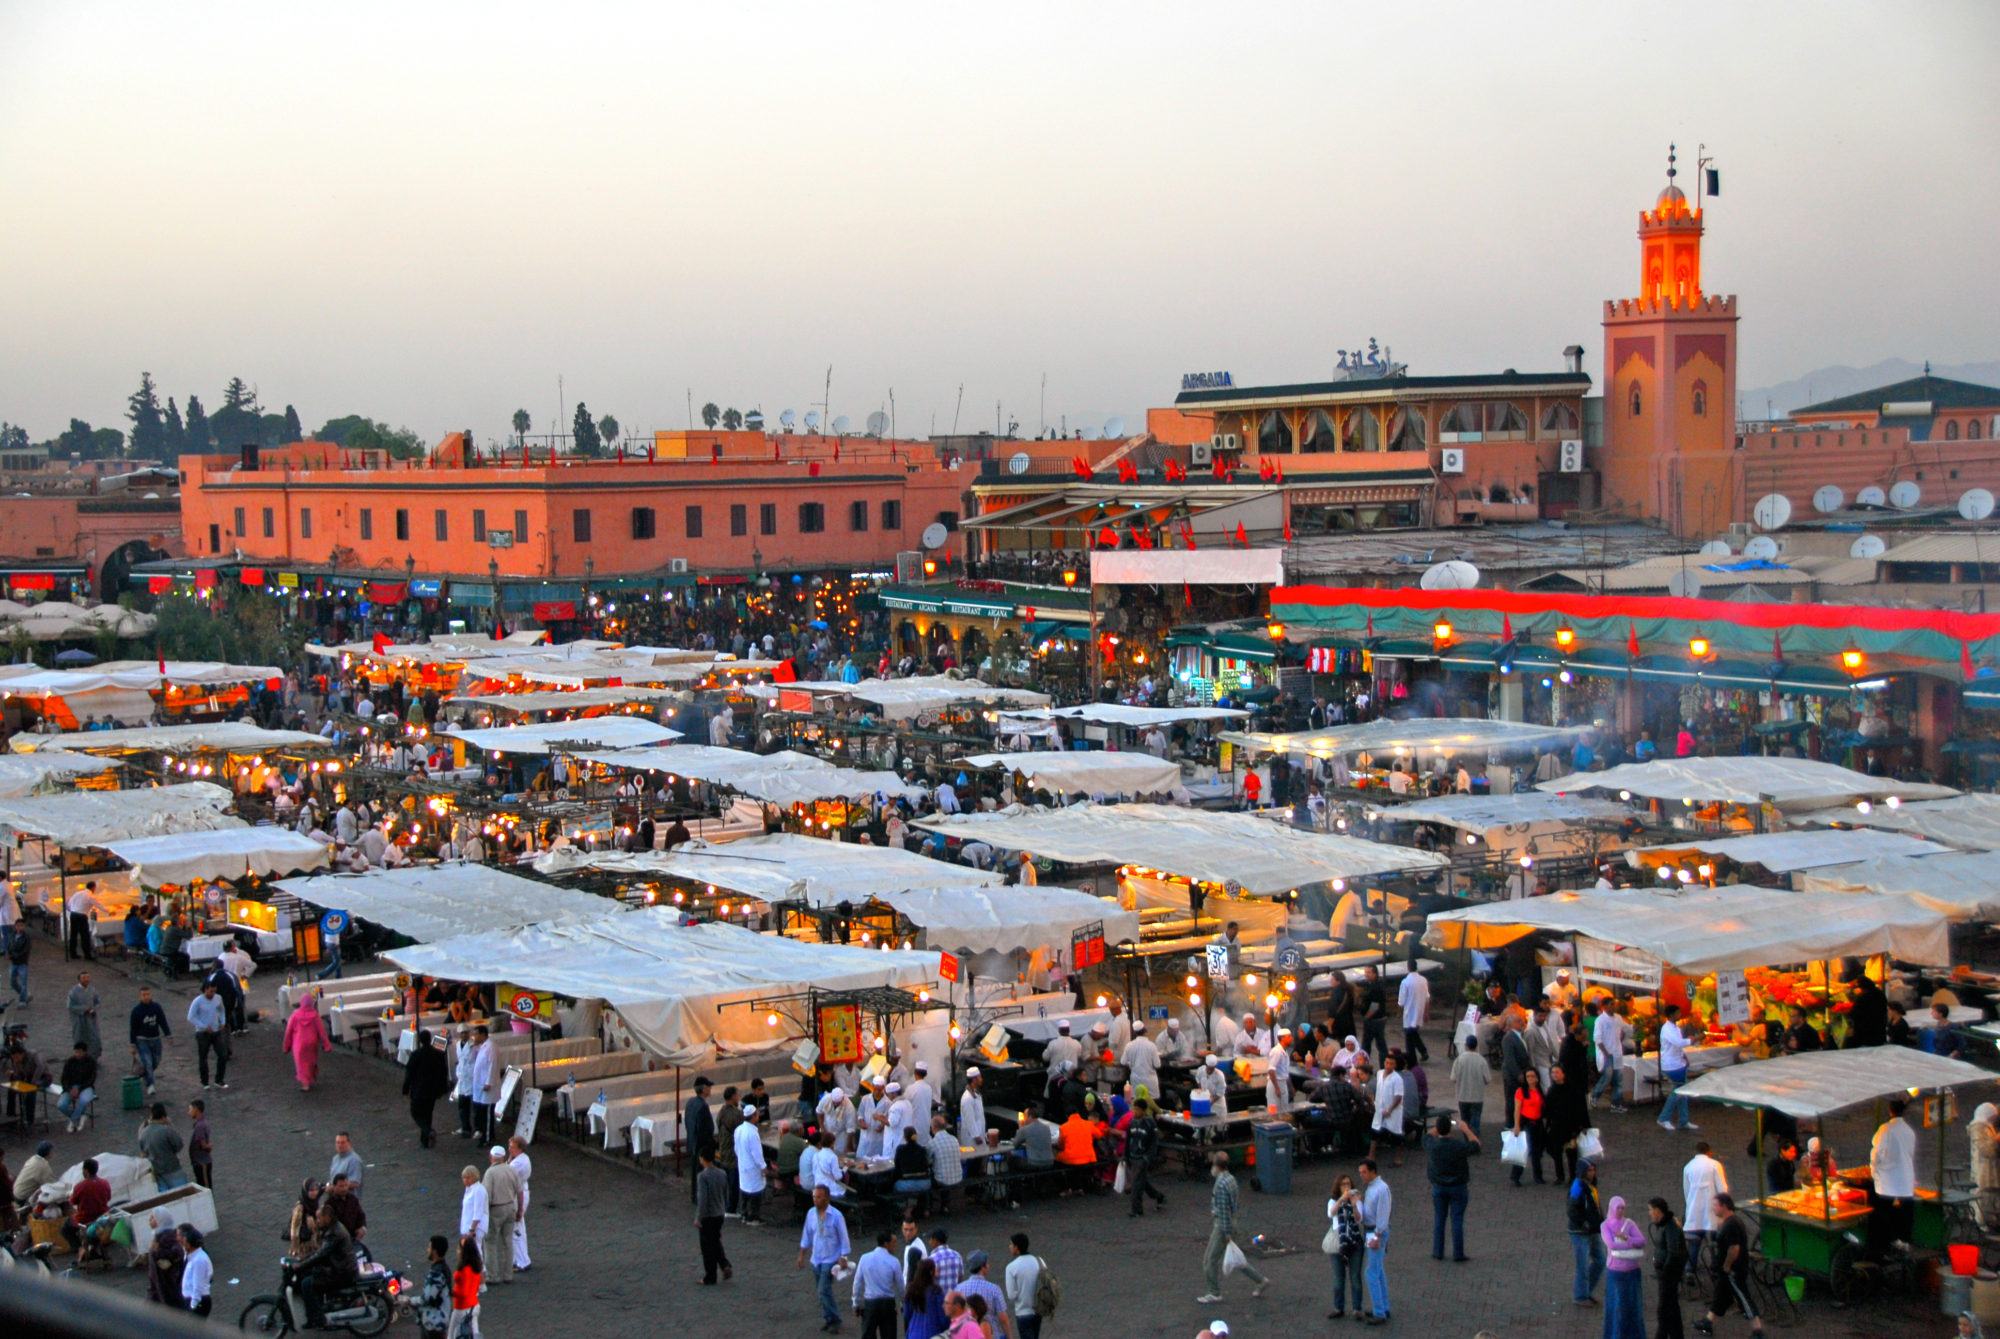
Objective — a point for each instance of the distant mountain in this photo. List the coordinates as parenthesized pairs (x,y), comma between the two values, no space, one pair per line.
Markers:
(1828,382)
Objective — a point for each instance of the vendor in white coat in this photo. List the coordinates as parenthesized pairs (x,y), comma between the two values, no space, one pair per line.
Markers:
(874,1119)
(749,1143)
(972,1111)
(1141,1059)
(1892,1160)
(1701,1181)
(837,1118)
(1278,1079)
(901,1116)
(1212,1080)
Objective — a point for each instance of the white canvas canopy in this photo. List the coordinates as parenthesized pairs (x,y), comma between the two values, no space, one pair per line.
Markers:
(905,699)
(1789,783)
(1258,855)
(26,773)
(433,902)
(779,778)
(1970,822)
(579,699)
(1820,1083)
(598,732)
(1964,885)
(98,817)
(1098,772)
(1008,920)
(781,867)
(182,857)
(1117,713)
(1701,932)
(219,736)
(1812,848)
(1445,735)
(1525,813)
(672,985)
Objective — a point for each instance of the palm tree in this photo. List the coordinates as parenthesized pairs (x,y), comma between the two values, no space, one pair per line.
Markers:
(607,428)
(710,414)
(731,420)
(521,425)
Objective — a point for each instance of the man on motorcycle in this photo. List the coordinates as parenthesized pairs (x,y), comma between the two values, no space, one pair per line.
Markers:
(329,1268)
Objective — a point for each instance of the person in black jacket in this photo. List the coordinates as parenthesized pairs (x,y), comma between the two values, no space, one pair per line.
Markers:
(1868,1020)
(1586,1216)
(425,1080)
(1142,1140)
(698,1124)
(1670,1261)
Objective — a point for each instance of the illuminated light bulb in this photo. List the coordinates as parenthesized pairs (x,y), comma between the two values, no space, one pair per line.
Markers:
(1194,998)
(1193,981)
(1291,986)
(1103,1000)
(1665,874)
(1271,1001)
(1894,801)
(770,1020)
(1864,807)
(1624,794)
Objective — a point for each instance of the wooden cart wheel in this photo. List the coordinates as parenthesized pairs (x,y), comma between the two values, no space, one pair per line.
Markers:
(1841,1274)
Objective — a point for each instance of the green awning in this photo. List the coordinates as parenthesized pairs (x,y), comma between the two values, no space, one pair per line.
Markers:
(1044,630)
(1241,646)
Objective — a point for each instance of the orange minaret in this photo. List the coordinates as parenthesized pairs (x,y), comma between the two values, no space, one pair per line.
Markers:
(1670,380)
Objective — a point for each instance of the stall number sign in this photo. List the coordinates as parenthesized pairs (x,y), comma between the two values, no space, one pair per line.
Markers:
(1940,1109)
(1732,997)
(1610,965)
(1218,961)
(1087,945)
(948,966)
(1156,1013)
(840,1034)
(525,1004)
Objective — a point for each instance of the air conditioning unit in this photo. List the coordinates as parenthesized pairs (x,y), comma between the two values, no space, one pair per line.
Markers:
(1231,442)
(677,565)
(1451,460)
(1203,453)
(1571,458)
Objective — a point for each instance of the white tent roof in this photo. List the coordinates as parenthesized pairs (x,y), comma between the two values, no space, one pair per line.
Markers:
(902,699)
(598,732)
(25,773)
(97,817)
(1697,933)
(1420,734)
(1819,1083)
(1258,855)
(132,674)
(668,981)
(1969,822)
(182,857)
(782,866)
(780,778)
(1786,782)
(1003,920)
(579,699)
(433,902)
(1117,713)
(1098,772)
(222,736)
(1812,848)
(1526,813)
(1964,885)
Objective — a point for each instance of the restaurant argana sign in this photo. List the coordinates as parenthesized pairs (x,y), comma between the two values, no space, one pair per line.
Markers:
(1207,381)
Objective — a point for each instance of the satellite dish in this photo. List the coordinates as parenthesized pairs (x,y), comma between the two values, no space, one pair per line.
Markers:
(841,425)
(1019,463)
(789,417)
(1450,575)
(878,423)
(1683,585)
(812,420)
(1828,497)
(935,535)
(1903,494)
(1114,427)
(1867,546)
(1772,511)
(1717,548)
(1975,504)
(1761,546)
(1871,496)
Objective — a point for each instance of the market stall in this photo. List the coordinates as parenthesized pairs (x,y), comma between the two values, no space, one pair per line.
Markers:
(1960,885)
(1417,736)
(1789,784)
(1811,1226)
(1968,822)
(1094,773)
(181,858)
(25,774)
(237,738)
(1782,852)
(1512,822)
(426,903)
(780,867)
(597,732)
(133,690)
(783,778)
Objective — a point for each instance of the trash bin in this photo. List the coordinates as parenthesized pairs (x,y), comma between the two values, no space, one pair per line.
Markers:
(1273,1142)
(132,1092)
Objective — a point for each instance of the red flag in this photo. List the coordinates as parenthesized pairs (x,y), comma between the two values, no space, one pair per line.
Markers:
(1506,628)
(1145,538)
(777,449)
(784,673)
(382,643)
(1965,665)
(1175,474)
(1242,537)
(1288,529)
(1778,647)
(1279,469)
(1187,534)
(813,469)
(1371,626)
(1264,468)
(1220,468)
(649,453)
(836,448)
(1108,538)
(1187,594)
(499,630)
(163,661)
(1632,641)
(1127,472)
(1081,466)
(621,453)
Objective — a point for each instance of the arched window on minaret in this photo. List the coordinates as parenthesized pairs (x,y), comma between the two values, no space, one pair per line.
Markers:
(1951,431)
(1700,399)
(1632,397)
(1972,428)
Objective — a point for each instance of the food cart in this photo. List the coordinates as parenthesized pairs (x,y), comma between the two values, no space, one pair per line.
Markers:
(1815,1228)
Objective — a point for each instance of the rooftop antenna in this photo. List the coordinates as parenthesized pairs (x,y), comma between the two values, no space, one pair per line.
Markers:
(892,414)
(1042,409)
(826,404)
(690,391)
(956,407)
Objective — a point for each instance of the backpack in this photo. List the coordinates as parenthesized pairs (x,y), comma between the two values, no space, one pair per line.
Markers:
(1048,1290)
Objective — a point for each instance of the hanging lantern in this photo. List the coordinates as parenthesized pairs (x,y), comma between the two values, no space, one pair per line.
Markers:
(1698,647)
(1566,639)
(1852,660)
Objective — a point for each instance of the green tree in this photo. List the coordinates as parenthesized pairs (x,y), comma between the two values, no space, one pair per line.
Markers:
(584,428)
(403,444)
(710,415)
(295,431)
(13,437)
(364,436)
(199,435)
(731,420)
(238,395)
(176,432)
(240,419)
(149,431)
(88,443)
(521,425)
(607,432)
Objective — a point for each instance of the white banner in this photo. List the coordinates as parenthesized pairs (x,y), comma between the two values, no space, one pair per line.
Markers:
(1193,567)
(1732,996)
(1611,965)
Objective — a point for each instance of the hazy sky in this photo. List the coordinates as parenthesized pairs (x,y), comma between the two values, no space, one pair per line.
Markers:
(427,213)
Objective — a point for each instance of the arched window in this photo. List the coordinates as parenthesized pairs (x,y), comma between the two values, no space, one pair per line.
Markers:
(1321,432)
(1560,419)
(1274,435)
(1406,430)
(1632,398)
(1701,399)
(1461,418)
(1972,428)
(1951,431)
(1505,420)
(1364,431)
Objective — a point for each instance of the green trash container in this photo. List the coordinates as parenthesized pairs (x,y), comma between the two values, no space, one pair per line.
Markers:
(132,1093)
